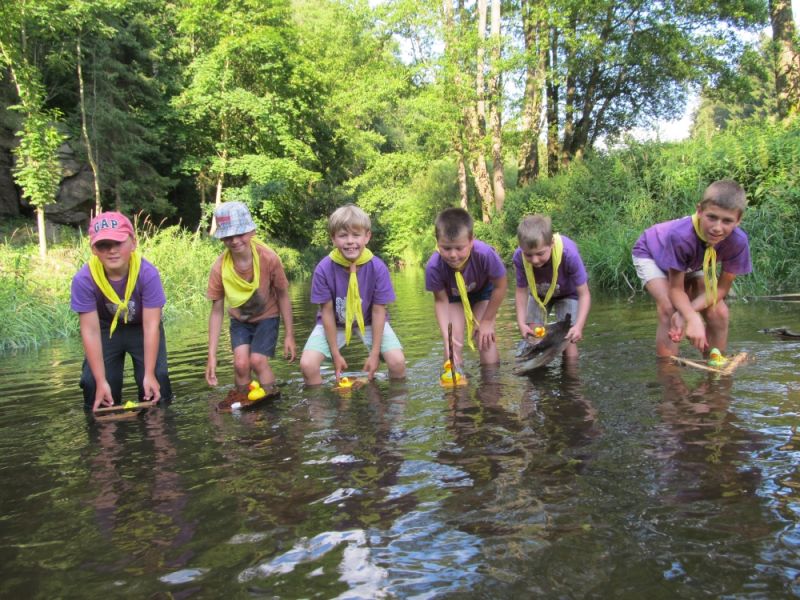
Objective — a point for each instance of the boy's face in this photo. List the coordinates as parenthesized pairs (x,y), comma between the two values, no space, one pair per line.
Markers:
(539,255)
(717,223)
(351,243)
(455,251)
(238,244)
(114,256)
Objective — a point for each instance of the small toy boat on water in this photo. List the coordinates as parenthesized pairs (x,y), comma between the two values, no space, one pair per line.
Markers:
(118,412)
(347,384)
(236,400)
(543,347)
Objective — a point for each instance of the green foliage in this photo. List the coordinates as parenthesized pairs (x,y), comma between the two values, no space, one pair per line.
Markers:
(606,201)
(38,171)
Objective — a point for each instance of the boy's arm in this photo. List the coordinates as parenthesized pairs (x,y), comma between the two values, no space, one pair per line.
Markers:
(575,333)
(93,348)
(214,328)
(378,321)
(285,306)
(521,302)
(486,335)
(151,319)
(329,325)
(695,328)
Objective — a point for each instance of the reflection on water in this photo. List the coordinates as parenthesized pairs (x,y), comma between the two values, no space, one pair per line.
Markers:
(612,476)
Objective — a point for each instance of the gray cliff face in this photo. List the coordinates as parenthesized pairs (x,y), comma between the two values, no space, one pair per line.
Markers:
(75,197)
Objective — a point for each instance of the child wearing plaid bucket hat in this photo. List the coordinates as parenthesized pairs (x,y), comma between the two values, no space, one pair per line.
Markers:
(118,296)
(249,276)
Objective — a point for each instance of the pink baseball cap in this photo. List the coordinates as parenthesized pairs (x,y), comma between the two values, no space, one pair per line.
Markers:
(110,226)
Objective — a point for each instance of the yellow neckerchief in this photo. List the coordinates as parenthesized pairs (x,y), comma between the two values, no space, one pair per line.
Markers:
(555,258)
(353,302)
(101,280)
(237,290)
(462,291)
(709,263)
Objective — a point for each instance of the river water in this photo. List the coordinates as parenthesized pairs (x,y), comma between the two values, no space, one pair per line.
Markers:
(617,477)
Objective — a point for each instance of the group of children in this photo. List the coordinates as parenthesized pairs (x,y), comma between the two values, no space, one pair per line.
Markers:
(119,296)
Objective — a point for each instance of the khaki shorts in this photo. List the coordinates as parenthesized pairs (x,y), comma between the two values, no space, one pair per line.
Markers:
(647,269)
(561,307)
(317,340)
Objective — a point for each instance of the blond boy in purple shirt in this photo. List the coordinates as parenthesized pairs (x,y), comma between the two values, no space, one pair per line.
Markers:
(676,261)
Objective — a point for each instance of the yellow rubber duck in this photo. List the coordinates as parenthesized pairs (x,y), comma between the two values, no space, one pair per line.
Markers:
(715,358)
(256,391)
(130,404)
(449,374)
(345,383)
(539,331)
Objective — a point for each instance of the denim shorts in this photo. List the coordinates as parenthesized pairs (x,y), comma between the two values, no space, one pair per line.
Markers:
(261,336)
(477,296)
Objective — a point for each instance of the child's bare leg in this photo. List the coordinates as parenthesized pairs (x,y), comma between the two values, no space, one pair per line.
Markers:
(396,363)
(659,289)
(260,364)
(717,326)
(489,355)
(241,366)
(310,365)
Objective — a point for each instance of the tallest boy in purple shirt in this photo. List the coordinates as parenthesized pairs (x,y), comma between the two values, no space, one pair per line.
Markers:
(676,262)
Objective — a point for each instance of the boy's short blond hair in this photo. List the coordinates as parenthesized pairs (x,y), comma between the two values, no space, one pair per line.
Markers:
(350,218)
(535,231)
(726,194)
(451,223)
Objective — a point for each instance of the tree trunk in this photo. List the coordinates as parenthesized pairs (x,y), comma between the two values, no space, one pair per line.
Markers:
(484,186)
(98,207)
(42,234)
(787,61)
(495,112)
(552,104)
(535,52)
(463,190)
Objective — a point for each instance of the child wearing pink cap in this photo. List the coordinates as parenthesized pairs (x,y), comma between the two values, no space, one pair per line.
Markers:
(119,297)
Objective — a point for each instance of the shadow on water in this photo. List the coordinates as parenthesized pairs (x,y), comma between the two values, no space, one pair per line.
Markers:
(612,476)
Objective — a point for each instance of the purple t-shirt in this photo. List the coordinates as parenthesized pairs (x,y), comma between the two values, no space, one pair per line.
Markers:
(675,245)
(483,265)
(571,272)
(147,293)
(330,281)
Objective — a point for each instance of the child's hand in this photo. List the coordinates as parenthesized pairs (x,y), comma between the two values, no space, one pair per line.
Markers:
(676,327)
(526,331)
(575,334)
(371,365)
(696,333)
(103,396)
(211,372)
(152,390)
(339,365)
(485,334)
(289,348)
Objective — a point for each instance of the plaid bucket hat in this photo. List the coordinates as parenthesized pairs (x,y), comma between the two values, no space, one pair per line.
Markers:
(233,218)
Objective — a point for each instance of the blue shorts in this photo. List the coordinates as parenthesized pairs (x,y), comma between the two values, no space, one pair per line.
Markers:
(261,336)
(478,296)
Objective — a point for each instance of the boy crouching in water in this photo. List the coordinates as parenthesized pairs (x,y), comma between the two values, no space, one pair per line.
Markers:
(676,261)
(550,274)
(118,296)
(351,284)
(250,277)
(468,281)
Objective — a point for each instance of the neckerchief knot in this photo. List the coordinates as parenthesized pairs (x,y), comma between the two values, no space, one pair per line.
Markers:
(352,304)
